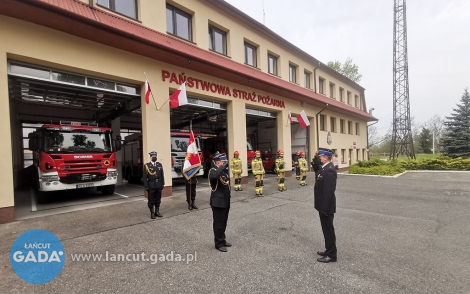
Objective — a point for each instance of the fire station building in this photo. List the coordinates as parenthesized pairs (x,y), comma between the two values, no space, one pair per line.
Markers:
(87,61)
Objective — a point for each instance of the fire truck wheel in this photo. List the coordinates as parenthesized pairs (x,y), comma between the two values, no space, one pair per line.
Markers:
(107,190)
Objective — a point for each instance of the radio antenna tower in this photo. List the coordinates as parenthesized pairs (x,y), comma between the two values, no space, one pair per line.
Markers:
(402,139)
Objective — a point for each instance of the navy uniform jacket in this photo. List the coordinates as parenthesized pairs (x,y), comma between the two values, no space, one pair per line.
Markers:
(325,186)
(219,181)
(156,181)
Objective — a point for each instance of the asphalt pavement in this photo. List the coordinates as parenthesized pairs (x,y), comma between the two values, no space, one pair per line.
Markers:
(394,235)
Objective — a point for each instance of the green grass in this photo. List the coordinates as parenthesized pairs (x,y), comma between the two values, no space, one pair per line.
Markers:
(418,156)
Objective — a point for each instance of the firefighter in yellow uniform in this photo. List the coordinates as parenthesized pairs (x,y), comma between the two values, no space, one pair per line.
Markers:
(258,171)
(236,167)
(303,166)
(280,170)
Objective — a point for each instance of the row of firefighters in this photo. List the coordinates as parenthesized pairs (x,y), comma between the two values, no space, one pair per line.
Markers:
(259,172)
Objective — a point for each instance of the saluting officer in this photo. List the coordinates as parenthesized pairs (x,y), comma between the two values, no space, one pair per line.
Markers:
(303,166)
(258,171)
(236,167)
(219,181)
(280,170)
(154,181)
(296,162)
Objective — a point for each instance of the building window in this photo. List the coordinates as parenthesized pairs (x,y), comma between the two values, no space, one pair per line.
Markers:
(348,95)
(356,101)
(357,129)
(350,126)
(332,90)
(292,73)
(363,154)
(341,94)
(125,7)
(250,54)
(341,126)
(321,85)
(357,155)
(307,76)
(333,124)
(178,23)
(272,64)
(217,40)
(322,123)
(343,155)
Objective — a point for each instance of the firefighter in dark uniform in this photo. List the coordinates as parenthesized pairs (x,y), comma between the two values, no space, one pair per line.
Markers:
(219,182)
(297,167)
(325,203)
(191,192)
(154,181)
(280,170)
(316,164)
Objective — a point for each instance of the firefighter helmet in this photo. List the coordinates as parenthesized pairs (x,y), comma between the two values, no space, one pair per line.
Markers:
(280,152)
(297,152)
(257,153)
(236,153)
(302,154)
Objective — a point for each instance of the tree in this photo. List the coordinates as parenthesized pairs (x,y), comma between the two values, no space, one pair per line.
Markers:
(456,141)
(425,140)
(436,126)
(348,69)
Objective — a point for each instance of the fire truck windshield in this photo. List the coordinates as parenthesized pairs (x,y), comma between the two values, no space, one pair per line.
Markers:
(180,144)
(77,142)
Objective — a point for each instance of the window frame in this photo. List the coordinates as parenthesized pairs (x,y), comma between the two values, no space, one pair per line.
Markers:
(275,62)
(255,53)
(350,126)
(332,90)
(112,6)
(321,85)
(333,124)
(293,69)
(341,94)
(174,11)
(213,29)
(348,98)
(322,122)
(342,127)
(307,78)
(356,101)
(357,129)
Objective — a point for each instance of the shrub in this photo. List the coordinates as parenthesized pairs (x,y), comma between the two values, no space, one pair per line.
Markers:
(382,170)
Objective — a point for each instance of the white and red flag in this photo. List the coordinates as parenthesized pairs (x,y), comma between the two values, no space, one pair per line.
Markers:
(148,91)
(303,119)
(179,97)
(192,162)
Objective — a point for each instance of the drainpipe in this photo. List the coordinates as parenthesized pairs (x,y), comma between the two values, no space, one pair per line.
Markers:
(315,78)
(318,130)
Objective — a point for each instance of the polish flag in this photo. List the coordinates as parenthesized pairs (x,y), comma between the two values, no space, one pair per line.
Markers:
(192,162)
(147,91)
(303,119)
(179,97)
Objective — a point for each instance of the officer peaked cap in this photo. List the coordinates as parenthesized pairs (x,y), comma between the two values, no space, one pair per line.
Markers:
(153,153)
(325,152)
(220,156)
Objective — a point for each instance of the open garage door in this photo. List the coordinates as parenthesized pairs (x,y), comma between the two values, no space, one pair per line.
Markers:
(299,138)
(261,129)
(61,126)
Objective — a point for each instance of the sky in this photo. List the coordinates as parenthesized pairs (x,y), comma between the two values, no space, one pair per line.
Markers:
(438,46)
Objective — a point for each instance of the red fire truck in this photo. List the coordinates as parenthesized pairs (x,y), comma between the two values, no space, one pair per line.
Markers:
(74,155)
(133,158)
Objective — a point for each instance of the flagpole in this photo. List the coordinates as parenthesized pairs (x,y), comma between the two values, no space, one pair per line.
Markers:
(153,98)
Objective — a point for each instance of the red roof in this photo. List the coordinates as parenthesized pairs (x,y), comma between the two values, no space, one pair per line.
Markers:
(79,19)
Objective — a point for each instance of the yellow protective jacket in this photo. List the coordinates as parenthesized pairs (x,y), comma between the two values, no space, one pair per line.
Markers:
(257,167)
(303,165)
(236,166)
(280,165)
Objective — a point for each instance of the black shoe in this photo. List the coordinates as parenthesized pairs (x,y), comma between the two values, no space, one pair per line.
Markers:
(326,259)
(223,249)
(190,207)
(152,213)
(227,244)
(157,213)
(194,207)
(321,253)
